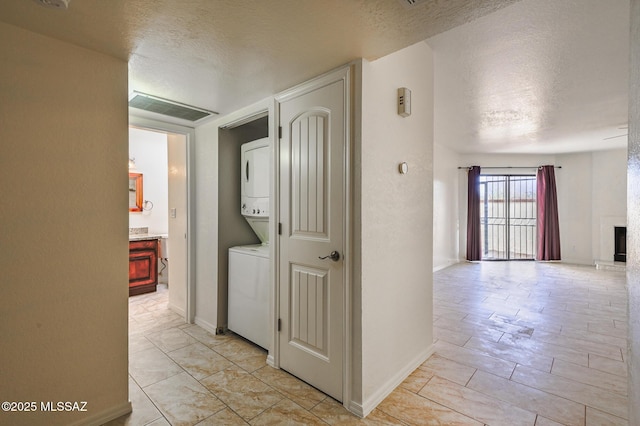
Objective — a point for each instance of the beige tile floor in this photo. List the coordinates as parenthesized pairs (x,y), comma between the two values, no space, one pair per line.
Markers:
(518,343)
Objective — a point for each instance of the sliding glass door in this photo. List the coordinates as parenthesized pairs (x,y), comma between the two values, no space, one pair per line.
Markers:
(508,217)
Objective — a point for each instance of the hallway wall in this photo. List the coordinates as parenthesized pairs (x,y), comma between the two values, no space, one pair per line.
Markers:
(64,226)
(396,223)
(446,205)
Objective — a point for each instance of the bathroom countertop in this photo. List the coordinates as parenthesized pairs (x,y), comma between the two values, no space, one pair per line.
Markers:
(142,233)
(147,236)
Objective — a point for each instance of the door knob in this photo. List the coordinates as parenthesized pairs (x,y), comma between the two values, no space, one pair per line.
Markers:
(334,255)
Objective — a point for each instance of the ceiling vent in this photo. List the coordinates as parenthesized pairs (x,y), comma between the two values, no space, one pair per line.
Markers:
(169,108)
(54,4)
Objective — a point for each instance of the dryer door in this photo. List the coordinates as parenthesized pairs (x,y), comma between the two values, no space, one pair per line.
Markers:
(255,178)
(255,172)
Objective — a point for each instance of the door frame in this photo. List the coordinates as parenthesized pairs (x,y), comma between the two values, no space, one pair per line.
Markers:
(266,107)
(190,135)
(508,179)
(344,74)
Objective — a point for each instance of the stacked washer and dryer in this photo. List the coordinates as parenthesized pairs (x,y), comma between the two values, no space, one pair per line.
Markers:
(248,294)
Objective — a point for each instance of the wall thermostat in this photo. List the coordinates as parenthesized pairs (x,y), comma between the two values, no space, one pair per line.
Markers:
(404,102)
(403,168)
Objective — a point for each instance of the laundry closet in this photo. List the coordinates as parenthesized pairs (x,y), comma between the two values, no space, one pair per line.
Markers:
(244,172)
(292,278)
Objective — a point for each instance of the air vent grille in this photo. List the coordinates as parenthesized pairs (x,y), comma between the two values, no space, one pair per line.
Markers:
(169,108)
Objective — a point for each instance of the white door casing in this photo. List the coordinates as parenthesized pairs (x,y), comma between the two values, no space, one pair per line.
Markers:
(312,210)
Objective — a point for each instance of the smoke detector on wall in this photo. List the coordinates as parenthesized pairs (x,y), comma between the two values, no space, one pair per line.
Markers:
(54,4)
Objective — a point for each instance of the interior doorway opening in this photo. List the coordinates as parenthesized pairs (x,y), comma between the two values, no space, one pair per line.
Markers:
(508,217)
(176,211)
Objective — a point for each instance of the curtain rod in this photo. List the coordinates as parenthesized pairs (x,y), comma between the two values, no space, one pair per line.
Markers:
(508,167)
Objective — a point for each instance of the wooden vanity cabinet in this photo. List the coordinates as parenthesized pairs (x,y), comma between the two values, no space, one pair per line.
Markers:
(143,266)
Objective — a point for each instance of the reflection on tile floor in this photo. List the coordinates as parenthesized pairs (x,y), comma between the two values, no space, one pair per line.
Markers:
(518,343)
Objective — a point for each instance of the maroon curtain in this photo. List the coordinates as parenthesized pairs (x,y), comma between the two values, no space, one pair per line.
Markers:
(474,251)
(548,227)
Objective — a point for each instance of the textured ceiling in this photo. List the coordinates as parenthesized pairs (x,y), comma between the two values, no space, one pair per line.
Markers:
(526,77)
(543,76)
(225,54)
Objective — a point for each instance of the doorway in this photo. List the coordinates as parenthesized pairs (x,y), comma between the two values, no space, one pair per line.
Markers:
(233,228)
(312,211)
(508,217)
(177,211)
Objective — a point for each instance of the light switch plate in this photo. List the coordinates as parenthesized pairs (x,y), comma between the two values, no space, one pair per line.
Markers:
(173,213)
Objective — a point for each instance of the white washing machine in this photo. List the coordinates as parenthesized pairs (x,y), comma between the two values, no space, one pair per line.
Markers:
(248,294)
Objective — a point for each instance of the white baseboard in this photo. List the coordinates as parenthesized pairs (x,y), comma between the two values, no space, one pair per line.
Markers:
(577,262)
(355,408)
(178,310)
(383,391)
(271,361)
(206,325)
(445,265)
(104,416)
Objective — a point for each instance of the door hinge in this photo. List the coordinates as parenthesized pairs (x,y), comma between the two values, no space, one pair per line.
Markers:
(279,132)
(279,228)
(279,324)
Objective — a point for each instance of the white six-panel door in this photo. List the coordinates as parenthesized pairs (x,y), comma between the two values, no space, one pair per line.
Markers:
(312,211)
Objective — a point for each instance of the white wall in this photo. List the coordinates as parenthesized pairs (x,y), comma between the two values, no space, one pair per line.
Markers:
(574,207)
(633,217)
(149,149)
(206,226)
(446,201)
(591,195)
(609,204)
(396,221)
(178,225)
(64,249)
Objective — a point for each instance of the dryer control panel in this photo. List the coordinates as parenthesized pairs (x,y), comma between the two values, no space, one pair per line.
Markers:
(255,178)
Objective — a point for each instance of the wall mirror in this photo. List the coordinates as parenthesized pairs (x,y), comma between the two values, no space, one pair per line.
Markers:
(135,192)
